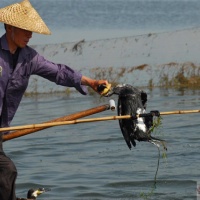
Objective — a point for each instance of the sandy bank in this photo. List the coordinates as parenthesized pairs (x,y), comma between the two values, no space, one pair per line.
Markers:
(135,60)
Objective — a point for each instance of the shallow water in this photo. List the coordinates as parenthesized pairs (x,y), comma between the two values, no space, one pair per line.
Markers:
(92,161)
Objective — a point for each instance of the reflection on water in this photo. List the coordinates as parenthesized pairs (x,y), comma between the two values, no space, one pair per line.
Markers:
(92,161)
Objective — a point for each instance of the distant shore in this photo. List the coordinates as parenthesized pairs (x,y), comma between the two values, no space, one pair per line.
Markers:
(137,60)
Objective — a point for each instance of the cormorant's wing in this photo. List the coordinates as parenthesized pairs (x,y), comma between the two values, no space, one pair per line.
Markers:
(126,125)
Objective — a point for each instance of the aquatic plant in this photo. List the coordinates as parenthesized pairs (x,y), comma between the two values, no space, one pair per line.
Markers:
(188,76)
(170,75)
(157,124)
(144,195)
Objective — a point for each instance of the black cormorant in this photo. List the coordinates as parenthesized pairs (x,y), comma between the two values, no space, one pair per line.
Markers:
(132,101)
(33,194)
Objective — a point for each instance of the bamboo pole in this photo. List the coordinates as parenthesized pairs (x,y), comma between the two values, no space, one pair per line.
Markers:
(179,112)
(51,124)
(76,121)
(74,116)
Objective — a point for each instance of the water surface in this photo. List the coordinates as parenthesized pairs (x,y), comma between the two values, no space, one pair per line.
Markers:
(92,161)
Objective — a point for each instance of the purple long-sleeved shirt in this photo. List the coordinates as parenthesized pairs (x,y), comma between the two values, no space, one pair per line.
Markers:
(14,83)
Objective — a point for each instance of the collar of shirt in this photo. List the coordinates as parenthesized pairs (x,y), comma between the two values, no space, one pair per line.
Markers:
(4,43)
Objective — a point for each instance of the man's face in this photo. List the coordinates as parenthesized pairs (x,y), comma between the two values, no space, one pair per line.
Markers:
(20,37)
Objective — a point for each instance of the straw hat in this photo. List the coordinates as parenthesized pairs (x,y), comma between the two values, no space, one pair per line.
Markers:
(24,16)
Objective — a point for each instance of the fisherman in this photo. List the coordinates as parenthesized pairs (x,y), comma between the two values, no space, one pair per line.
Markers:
(17,63)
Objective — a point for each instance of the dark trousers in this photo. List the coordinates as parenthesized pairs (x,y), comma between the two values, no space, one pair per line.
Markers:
(8,175)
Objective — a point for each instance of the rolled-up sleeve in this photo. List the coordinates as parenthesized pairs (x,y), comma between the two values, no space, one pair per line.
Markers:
(59,73)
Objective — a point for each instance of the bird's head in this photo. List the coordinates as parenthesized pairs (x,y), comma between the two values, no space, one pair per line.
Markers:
(126,89)
(115,90)
(33,194)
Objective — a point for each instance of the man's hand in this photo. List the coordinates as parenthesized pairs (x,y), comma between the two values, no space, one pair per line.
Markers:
(99,86)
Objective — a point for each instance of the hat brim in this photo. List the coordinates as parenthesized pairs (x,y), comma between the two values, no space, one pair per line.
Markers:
(24,16)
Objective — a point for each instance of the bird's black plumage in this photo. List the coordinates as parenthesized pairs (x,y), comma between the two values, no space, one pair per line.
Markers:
(132,101)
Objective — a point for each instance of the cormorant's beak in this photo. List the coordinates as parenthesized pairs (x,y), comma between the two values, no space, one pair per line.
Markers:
(38,191)
(109,93)
(104,89)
